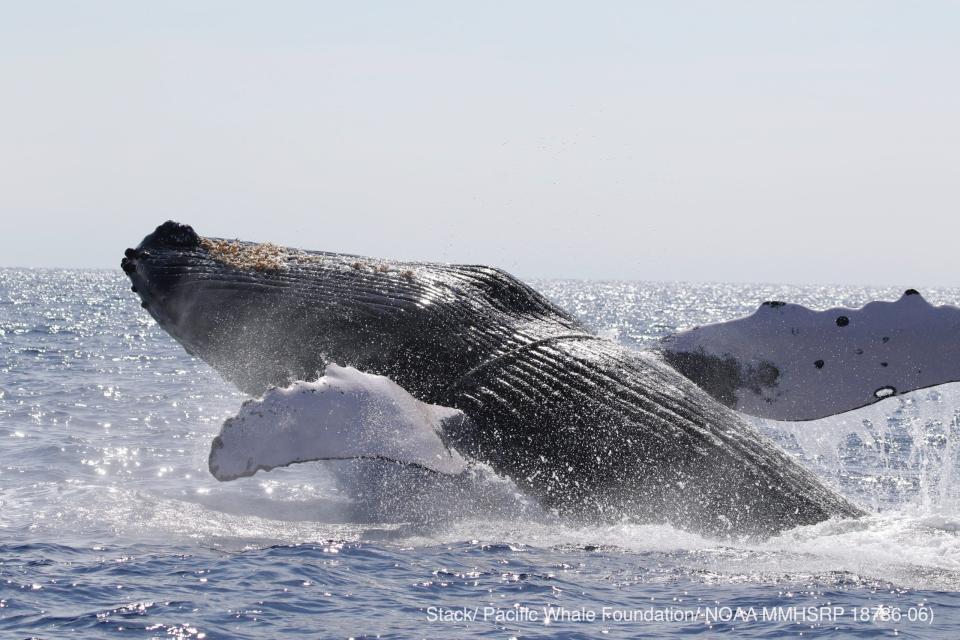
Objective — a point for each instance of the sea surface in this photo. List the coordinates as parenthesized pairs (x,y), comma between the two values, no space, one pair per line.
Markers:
(111,526)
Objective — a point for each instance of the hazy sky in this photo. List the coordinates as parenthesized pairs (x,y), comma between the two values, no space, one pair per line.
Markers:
(748,141)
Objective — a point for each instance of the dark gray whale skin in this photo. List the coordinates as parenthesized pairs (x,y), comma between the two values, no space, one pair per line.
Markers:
(593,429)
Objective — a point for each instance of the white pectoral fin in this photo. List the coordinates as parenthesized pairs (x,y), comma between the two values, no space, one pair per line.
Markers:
(787,362)
(346,414)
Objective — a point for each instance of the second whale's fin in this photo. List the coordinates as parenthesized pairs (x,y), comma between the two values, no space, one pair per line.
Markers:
(787,362)
(346,414)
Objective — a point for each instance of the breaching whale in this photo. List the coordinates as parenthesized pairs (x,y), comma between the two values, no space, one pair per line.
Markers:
(591,428)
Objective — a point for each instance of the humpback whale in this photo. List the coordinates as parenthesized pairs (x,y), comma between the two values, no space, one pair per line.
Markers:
(589,427)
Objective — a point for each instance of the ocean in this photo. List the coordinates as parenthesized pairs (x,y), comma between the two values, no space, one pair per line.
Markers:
(111,525)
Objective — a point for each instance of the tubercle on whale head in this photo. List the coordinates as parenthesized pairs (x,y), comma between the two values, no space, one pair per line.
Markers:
(171,235)
(140,264)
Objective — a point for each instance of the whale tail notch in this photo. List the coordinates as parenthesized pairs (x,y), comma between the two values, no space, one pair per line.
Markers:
(787,362)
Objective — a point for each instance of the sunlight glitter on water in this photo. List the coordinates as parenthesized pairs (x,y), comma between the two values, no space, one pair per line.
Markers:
(106,425)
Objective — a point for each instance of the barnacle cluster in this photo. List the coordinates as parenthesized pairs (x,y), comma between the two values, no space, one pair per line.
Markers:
(381,268)
(270,257)
(241,255)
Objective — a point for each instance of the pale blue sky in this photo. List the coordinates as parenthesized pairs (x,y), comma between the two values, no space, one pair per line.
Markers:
(749,141)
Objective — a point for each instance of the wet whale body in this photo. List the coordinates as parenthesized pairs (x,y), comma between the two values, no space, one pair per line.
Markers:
(591,428)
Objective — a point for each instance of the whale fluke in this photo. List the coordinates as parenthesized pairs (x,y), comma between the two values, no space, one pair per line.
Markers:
(787,362)
(346,414)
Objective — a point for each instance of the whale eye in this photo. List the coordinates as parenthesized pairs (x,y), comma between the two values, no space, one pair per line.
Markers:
(843,321)
(818,364)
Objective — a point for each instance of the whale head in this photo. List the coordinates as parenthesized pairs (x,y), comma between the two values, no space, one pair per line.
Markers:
(265,315)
